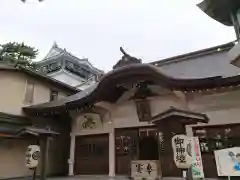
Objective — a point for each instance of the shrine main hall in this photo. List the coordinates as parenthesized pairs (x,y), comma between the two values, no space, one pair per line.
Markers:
(134,110)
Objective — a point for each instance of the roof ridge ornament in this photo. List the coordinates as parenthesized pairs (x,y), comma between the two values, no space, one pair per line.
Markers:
(124,53)
(126,60)
(55,44)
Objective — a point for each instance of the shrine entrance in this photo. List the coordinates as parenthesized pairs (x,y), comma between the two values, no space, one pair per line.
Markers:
(126,149)
(90,151)
(169,124)
(135,144)
(148,144)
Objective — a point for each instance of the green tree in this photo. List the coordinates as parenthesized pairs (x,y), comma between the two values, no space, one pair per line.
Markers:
(18,54)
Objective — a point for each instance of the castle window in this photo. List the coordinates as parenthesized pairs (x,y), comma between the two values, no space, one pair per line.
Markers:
(44,69)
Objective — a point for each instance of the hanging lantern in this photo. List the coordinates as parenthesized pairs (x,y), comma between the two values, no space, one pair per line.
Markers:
(32,156)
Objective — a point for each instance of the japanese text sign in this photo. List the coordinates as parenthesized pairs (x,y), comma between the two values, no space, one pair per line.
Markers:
(228,161)
(147,169)
(197,166)
(182,151)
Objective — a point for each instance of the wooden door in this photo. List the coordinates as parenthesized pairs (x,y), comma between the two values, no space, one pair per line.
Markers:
(126,149)
(92,154)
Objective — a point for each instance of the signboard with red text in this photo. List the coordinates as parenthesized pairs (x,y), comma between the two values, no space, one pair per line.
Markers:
(197,166)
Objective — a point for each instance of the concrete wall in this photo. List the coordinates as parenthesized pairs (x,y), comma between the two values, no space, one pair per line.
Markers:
(12,155)
(12,92)
(12,151)
(124,115)
(221,108)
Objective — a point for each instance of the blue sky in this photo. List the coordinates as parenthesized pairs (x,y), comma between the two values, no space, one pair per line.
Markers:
(148,29)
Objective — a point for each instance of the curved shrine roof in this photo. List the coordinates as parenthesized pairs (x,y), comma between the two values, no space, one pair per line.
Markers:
(109,87)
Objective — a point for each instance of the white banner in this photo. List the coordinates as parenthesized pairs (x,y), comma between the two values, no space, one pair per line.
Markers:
(228,161)
(197,166)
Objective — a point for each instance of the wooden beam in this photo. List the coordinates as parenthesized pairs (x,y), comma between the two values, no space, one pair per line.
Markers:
(6,135)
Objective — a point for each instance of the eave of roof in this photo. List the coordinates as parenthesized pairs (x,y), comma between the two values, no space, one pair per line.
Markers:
(189,117)
(14,119)
(40,76)
(195,54)
(60,104)
(220,10)
(192,116)
(103,90)
(34,131)
(10,124)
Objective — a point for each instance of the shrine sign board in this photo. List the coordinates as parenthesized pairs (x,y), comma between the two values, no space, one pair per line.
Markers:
(182,151)
(145,169)
(89,121)
(197,166)
(228,161)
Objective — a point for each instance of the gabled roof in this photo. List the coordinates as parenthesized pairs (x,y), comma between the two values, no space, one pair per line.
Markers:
(188,116)
(56,52)
(39,76)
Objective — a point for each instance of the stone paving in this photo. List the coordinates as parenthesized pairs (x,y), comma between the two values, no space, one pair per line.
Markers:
(96,177)
(101,178)
(107,178)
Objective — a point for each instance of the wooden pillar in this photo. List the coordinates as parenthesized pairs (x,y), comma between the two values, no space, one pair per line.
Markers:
(72,155)
(189,130)
(112,153)
(169,127)
(44,157)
